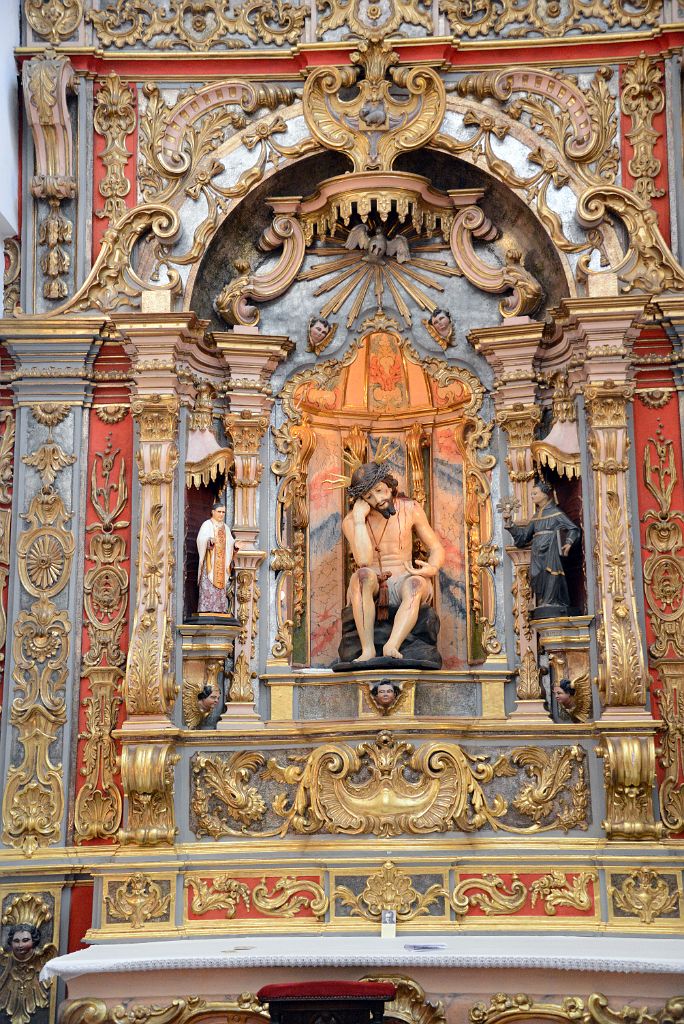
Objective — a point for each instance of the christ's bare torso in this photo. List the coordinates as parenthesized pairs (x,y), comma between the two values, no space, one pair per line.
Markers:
(391,539)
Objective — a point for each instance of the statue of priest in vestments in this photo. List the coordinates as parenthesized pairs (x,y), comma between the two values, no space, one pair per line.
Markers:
(215,544)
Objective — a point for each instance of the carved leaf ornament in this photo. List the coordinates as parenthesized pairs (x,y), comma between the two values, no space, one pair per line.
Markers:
(386,787)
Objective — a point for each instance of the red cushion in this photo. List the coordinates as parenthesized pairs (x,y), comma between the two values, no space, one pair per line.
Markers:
(328,990)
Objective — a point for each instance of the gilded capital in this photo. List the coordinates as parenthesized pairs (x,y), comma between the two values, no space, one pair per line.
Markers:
(157,417)
(245,431)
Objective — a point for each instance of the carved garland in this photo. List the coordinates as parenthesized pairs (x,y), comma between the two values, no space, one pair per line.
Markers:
(114,119)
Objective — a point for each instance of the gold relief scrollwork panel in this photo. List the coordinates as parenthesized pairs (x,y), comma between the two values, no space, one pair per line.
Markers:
(527,18)
(245,1009)
(646,895)
(139,901)
(505,1009)
(33,798)
(435,787)
(391,888)
(132,22)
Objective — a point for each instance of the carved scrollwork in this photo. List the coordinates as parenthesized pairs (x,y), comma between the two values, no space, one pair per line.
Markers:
(373,23)
(112,281)
(374,126)
(389,888)
(529,18)
(54,20)
(137,900)
(33,799)
(131,22)
(438,787)
(114,118)
(288,896)
(245,1009)
(494,896)
(629,772)
(226,781)
(232,301)
(648,263)
(98,807)
(642,97)
(147,778)
(645,894)
(410,1003)
(504,1009)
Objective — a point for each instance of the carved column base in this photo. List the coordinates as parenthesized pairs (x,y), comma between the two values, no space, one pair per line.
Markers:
(531,711)
(237,715)
(615,714)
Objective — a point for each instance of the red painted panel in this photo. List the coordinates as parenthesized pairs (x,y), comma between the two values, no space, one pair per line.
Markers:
(244,908)
(80,916)
(108,481)
(650,424)
(533,905)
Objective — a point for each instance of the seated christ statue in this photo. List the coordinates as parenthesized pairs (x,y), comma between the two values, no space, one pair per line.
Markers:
(386,587)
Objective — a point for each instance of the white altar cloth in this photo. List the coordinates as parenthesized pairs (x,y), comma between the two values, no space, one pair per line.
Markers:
(560,952)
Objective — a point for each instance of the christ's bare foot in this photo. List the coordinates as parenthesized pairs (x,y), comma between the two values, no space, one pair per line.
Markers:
(390,651)
(366,655)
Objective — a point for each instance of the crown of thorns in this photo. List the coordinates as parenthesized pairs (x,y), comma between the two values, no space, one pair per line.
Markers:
(364,475)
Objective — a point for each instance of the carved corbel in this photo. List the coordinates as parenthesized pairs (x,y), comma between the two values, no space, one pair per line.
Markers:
(46,81)
(470,223)
(147,777)
(232,301)
(629,774)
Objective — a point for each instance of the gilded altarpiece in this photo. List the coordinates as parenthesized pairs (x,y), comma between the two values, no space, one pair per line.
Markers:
(288,240)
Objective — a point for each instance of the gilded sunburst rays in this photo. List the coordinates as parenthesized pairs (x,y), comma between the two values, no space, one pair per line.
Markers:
(350,274)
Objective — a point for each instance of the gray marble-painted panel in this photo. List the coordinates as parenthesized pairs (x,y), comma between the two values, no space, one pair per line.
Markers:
(446,700)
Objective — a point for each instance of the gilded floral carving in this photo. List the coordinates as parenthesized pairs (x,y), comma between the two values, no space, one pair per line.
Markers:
(131,22)
(33,798)
(114,119)
(437,787)
(286,898)
(98,807)
(389,888)
(642,97)
(645,894)
(54,20)
(137,901)
(552,21)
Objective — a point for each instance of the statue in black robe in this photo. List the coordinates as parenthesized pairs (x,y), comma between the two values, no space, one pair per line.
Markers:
(551,535)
